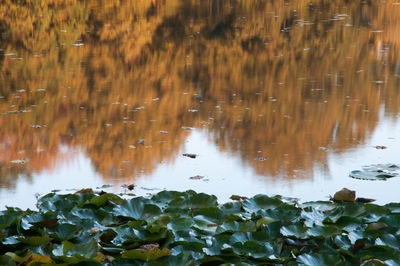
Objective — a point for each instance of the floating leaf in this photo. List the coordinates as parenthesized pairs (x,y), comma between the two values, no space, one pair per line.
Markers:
(294,230)
(104,198)
(196,177)
(261,202)
(6,260)
(344,195)
(238,198)
(364,200)
(380,147)
(248,226)
(174,228)
(190,155)
(137,208)
(375,226)
(264,221)
(145,254)
(66,231)
(372,175)
(319,259)
(37,259)
(35,240)
(19,258)
(388,240)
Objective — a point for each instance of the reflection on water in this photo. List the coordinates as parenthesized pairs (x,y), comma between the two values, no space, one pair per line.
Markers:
(127,82)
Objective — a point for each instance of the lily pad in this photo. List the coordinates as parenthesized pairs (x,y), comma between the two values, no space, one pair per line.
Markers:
(376,172)
(6,260)
(146,254)
(189,228)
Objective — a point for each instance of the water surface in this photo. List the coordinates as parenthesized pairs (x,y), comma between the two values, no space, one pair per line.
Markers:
(281,97)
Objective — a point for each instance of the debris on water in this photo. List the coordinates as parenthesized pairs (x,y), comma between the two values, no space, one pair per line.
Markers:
(186,127)
(364,200)
(15,112)
(141,141)
(344,195)
(196,177)
(155,99)
(380,147)
(104,186)
(149,189)
(322,148)
(132,146)
(108,125)
(190,155)
(163,132)
(192,110)
(130,186)
(238,198)
(347,195)
(20,161)
(260,159)
(125,161)
(115,103)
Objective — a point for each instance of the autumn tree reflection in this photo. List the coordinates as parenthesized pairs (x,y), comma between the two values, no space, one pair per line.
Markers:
(117,79)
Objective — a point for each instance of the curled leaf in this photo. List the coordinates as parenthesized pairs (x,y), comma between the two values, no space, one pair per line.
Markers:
(344,195)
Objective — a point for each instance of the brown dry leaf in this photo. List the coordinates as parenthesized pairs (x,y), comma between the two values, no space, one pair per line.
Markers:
(190,155)
(130,186)
(197,177)
(380,147)
(344,195)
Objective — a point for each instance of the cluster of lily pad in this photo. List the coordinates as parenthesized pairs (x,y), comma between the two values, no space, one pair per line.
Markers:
(189,228)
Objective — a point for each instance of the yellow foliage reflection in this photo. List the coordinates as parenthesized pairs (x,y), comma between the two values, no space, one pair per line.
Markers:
(117,79)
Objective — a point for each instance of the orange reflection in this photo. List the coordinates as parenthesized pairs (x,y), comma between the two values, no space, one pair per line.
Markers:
(119,79)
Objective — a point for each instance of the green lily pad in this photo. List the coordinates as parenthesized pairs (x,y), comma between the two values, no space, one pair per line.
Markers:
(382,167)
(379,175)
(295,230)
(6,260)
(248,226)
(191,228)
(145,254)
(71,252)
(321,259)
(35,240)
(9,216)
(66,231)
(103,199)
(137,208)
(264,221)
(261,202)
(19,258)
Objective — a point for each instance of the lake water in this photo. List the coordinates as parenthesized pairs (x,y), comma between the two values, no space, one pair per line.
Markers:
(276,97)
